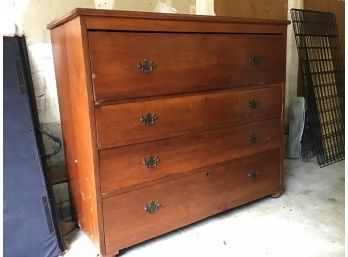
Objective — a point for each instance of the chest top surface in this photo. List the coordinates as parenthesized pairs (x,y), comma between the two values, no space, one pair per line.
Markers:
(92,14)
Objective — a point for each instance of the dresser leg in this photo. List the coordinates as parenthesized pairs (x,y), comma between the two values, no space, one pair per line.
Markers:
(278,193)
(108,255)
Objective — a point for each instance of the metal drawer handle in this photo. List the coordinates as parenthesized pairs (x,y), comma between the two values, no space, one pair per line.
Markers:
(146,66)
(254,104)
(255,60)
(148,119)
(151,161)
(254,138)
(254,174)
(152,206)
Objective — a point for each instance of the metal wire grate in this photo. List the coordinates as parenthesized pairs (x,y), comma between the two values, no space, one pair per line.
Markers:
(323,72)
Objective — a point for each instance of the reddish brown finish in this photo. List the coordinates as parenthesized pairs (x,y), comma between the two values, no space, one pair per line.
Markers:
(141,16)
(148,25)
(75,104)
(202,128)
(120,124)
(144,21)
(58,38)
(121,167)
(278,193)
(186,200)
(113,254)
(184,62)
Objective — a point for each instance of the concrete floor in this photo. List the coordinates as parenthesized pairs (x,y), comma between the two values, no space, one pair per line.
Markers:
(306,221)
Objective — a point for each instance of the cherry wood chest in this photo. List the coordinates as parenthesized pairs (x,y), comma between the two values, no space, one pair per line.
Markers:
(167,119)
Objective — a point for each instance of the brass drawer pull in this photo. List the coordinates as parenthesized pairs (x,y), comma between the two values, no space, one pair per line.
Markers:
(255,60)
(151,161)
(148,119)
(254,174)
(146,66)
(254,138)
(254,104)
(152,206)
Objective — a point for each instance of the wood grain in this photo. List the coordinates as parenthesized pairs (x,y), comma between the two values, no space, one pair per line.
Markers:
(88,14)
(200,91)
(58,39)
(184,62)
(120,124)
(186,200)
(75,103)
(194,26)
(123,166)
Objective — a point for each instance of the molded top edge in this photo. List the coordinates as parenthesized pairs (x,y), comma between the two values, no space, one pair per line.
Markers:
(160,16)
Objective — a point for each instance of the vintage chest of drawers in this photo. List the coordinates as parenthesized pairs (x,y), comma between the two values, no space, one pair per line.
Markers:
(167,119)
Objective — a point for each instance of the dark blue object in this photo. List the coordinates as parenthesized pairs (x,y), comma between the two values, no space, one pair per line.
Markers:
(31,226)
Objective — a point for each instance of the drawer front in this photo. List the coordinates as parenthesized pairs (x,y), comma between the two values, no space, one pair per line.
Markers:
(130,218)
(177,63)
(128,123)
(135,164)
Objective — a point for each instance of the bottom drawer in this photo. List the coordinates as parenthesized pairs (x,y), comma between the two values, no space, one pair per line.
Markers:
(187,199)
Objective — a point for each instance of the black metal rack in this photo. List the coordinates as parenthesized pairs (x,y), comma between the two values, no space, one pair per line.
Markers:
(323,72)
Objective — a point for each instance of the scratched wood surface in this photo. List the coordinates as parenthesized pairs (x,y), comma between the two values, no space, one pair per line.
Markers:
(204,151)
(185,153)
(120,124)
(183,62)
(187,199)
(75,104)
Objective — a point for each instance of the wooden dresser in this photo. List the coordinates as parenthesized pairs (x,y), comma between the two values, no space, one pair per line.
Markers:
(167,119)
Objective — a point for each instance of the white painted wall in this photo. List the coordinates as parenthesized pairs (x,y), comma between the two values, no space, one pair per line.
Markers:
(205,7)
(31,18)
(291,60)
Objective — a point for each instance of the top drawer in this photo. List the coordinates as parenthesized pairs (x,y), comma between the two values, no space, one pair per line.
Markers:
(130,65)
